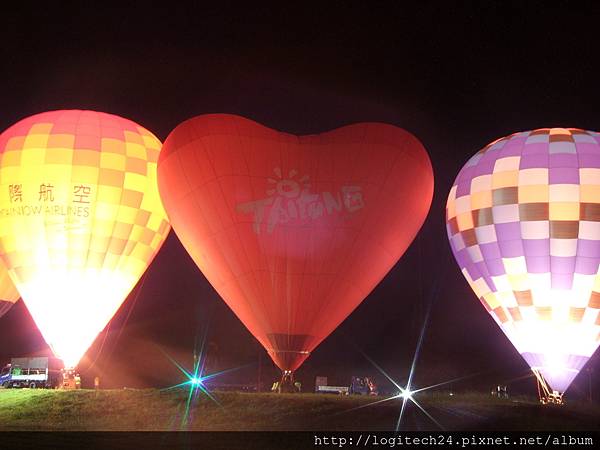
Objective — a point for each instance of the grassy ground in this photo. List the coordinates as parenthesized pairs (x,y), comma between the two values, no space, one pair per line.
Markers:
(151,409)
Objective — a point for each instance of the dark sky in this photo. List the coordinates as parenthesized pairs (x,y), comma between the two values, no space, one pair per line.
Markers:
(457,77)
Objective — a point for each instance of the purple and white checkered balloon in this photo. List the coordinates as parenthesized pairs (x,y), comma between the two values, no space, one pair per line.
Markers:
(523,220)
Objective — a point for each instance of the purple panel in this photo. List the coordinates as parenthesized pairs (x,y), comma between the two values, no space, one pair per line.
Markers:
(473,161)
(483,270)
(564,160)
(536,247)
(473,271)
(562,264)
(538,264)
(462,257)
(561,280)
(485,167)
(568,175)
(534,161)
(466,174)
(511,249)
(535,149)
(508,231)
(463,188)
(495,267)
(490,251)
(586,266)
(489,281)
(512,148)
(589,248)
(589,160)
(585,148)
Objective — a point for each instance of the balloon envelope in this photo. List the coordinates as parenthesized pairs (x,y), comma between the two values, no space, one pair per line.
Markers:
(8,292)
(80,219)
(293,231)
(523,219)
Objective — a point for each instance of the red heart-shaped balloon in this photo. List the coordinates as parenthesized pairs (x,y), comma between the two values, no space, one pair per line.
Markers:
(293,231)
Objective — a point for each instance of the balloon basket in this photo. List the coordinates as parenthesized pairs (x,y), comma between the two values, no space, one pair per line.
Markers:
(546,396)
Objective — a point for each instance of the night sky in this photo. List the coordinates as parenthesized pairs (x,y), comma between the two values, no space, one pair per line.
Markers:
(457,77)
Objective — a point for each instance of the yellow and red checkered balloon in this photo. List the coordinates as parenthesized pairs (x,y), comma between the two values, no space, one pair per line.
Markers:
(80,219)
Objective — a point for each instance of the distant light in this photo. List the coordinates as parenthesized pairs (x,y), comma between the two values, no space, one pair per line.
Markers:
(195,381)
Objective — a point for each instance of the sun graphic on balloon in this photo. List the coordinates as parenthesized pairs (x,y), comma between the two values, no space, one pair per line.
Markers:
(287,187)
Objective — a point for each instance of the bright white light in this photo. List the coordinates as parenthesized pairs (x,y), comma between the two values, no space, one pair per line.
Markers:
(406,394)
(70,307)
(195,380)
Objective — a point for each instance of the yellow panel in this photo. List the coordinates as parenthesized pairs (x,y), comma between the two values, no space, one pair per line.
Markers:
(481,183)
(481,200)
(507,164)
(154,222)
(463,204)
(106,211)
(151,142)
(533,194)
(515,266)
(112,161)
(533,176)
(451,206)
(112,146)
(126,214)
(109,194)
(465,221)
(589,193)
(564,211)
(85,175)
(492,300)
(505,179)
(519,282)
(32,157)
(11,158)
(135,150)
(35,141)
(135,182)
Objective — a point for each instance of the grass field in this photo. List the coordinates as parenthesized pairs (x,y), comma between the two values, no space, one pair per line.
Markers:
(165,410)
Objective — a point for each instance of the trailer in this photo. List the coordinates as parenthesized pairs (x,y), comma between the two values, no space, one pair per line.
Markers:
(36,372)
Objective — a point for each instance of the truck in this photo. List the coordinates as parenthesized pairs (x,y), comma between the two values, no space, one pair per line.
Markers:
(36,372)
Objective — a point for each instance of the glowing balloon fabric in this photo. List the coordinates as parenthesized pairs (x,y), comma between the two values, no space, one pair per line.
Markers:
(293,231)
(523,219)
(8,293)
(80,219)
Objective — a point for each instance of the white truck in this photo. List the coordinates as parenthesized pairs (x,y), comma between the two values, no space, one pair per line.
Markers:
(36,372)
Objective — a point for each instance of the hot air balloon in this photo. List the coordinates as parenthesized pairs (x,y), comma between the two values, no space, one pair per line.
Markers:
(292,231)
(80,219)
(8,293)
(523,219)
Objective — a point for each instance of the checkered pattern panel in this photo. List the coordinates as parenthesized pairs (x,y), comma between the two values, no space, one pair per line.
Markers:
(523,220)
